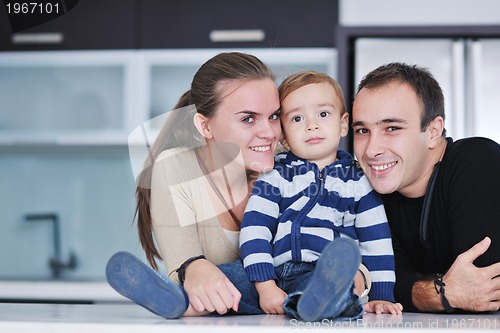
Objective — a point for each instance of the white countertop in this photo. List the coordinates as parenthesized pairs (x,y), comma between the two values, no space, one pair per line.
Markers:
(128,317)
(96,291)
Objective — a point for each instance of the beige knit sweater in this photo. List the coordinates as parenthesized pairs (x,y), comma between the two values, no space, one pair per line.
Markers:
(185,221)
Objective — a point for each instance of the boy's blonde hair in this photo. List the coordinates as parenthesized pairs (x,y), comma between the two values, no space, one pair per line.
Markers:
(300,79)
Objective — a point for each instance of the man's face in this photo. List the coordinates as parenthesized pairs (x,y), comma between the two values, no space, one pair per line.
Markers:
(388,141)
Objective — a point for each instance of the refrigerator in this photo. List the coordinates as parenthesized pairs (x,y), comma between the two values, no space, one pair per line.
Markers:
(467,69)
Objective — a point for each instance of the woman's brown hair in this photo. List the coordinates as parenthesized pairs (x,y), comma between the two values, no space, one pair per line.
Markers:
(178,130)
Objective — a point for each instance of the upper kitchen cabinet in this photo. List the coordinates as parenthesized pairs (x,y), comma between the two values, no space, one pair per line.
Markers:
(132,24)
(66,98)
(103,24)
(229,23)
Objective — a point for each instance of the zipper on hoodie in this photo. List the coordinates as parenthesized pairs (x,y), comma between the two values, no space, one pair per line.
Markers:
(320,177)
(296,226)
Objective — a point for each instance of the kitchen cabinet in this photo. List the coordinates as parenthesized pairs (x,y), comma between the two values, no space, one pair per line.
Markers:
(96,98)
(104,24)
(227,23)
(66,97)
(130,24)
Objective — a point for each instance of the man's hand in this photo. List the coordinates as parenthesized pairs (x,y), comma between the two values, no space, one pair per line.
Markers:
(472,288)
(467,287)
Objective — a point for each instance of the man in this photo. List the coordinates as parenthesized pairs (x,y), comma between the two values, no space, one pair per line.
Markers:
(447,255)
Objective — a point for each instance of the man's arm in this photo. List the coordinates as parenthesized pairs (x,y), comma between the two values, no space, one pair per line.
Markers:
(425,297)
(471,188)
(466,286)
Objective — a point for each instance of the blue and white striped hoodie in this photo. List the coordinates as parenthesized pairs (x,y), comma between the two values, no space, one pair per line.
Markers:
(295,210)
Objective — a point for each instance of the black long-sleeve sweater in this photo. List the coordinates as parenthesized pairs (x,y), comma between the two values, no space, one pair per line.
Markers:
(465,208)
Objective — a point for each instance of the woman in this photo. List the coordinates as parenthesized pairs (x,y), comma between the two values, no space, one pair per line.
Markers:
(194,188)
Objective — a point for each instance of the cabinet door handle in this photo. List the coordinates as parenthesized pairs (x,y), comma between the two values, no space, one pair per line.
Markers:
(251,35)
(38,38)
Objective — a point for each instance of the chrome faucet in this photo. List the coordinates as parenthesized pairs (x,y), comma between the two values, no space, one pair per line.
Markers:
(56,263)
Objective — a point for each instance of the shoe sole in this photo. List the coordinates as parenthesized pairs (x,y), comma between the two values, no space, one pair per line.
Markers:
(133,279)
(331,280)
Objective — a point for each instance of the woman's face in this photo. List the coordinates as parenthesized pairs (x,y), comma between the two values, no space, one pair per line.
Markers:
(248,116)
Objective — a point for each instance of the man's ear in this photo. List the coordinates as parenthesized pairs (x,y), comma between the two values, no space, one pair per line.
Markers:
(435,129)
(201,123)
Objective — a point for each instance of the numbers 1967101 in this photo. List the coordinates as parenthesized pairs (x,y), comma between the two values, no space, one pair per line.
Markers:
(27,8)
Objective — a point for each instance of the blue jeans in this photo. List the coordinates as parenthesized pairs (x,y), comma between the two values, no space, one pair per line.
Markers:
(293,278)
(249,303)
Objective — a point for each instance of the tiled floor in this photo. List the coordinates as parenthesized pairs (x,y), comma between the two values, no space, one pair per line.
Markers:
(125,317)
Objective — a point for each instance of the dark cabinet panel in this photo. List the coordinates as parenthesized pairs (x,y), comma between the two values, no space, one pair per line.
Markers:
(128,24)
(91,24)
(236,23)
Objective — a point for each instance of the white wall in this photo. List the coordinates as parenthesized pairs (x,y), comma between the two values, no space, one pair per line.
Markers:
(422,12)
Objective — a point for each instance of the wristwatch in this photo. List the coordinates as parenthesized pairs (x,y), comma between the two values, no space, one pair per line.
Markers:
(181,271)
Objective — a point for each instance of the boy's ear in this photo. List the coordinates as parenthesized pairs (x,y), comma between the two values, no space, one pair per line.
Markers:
(284,143)
(344,124)
(201,123)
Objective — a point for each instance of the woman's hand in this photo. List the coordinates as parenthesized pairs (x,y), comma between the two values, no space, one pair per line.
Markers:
(271,297)
(209,289)
(380,307)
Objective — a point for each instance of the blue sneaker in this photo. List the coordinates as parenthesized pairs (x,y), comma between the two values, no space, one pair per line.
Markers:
(135,280)
(333,277)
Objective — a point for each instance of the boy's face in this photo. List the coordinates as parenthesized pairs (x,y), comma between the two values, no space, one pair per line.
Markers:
(313,124)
